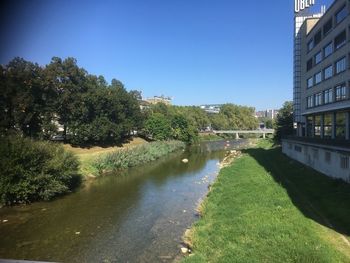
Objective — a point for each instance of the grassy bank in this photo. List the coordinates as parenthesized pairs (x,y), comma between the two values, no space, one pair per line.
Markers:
(133,156)
(268,208)
(87,156)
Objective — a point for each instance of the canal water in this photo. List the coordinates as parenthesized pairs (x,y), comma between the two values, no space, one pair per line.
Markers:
(139,215)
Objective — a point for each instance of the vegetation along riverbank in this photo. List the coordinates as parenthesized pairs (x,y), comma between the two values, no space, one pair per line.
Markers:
(265,207)
(133,156)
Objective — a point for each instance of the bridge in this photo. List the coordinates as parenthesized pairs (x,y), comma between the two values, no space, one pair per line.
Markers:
(238,132)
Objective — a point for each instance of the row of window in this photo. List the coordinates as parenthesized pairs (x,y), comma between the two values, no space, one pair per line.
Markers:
(344,160)
(327,27)
(326,73)
(327,96)
(338,42)
(324,125)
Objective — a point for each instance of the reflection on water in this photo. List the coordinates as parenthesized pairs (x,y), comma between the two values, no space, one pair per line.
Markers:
(136,216)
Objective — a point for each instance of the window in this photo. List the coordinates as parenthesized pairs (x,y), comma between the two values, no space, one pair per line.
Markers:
(327,126)
(317,127)
(340,16)
(318,38)
(318,99)
(340,125)
(309,102)
(297,148)
(340,92)
(328,50)
(328,72)
(328,157)
(309,124)
(318,77)
(340,40)
(344,162)
(318,58)
(309,64)
(328,27)
(328,96)
(310,82)
(310,45)
(340,65)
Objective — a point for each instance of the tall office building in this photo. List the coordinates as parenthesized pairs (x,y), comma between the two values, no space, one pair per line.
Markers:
(322,90)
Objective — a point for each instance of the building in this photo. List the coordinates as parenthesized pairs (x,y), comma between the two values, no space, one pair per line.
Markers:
(211,108)
(271,114)
(159,99)
(322,90)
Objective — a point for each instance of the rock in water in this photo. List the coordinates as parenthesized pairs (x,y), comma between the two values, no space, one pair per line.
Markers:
(185,160)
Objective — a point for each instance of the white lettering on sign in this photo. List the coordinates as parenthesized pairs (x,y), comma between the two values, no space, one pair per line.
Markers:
(302,4)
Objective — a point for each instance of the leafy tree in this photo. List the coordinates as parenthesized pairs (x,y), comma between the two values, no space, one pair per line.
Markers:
(182,130)
(284,124)
(158,127)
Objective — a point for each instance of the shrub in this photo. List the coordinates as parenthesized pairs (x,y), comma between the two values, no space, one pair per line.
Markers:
(137,155)
(32,170)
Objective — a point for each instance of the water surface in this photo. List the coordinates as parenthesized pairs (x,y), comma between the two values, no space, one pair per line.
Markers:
(139,215)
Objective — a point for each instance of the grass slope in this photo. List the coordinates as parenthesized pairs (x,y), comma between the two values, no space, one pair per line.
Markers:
(267,208)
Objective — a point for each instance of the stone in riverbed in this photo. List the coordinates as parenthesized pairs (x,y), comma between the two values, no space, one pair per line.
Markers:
(184,250)
(185,160)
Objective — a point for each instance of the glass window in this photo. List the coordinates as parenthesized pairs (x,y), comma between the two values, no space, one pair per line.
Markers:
(309,126)
(318,57)
(317,127)
(340,16)
(327,124)
(328,27)
(310,82)
(310,45)
(340,65)
(309,64)
(340,92)
(340,125)
(310,101)
(328,72)
(318,77)
(318,99)
(328,96)
(318,37)
(340,40)
(328,50)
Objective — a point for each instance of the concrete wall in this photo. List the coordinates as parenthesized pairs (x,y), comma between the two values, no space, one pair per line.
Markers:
(315,156)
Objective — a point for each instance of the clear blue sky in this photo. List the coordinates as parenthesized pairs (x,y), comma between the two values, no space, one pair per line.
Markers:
(197,51)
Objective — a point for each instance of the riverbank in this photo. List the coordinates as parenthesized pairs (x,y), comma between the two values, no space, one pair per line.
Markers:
(267,208)
(87,156)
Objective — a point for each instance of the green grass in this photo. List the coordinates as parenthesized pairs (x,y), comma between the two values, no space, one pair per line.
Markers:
(267,208)
(134,156)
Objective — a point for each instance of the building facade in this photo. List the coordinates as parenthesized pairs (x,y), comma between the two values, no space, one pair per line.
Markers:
(322,90)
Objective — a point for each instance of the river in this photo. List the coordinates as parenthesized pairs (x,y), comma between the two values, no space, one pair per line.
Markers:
(138,215)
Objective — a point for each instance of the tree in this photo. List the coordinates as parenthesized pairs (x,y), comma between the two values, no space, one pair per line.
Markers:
(182,130)
(158,127)
(284,124)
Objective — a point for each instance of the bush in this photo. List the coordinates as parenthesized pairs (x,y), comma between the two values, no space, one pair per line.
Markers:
(137,155)
(32,170)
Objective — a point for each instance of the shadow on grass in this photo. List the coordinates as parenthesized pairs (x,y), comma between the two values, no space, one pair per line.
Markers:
(321,198)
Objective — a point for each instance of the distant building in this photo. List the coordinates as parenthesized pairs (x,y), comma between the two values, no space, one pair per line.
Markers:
(271,114)
(211,108)
(159,99)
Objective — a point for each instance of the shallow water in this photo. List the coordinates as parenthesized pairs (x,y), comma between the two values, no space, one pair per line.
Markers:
(139,215)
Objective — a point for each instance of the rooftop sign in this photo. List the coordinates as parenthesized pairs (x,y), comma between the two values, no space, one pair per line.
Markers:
(302,4)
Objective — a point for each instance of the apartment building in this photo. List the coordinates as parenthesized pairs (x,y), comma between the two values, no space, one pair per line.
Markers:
(322,90)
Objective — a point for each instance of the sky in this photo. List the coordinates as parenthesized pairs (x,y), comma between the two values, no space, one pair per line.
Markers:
(195,51)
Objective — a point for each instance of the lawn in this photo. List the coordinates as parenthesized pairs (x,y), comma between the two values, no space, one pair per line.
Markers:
(267,208)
